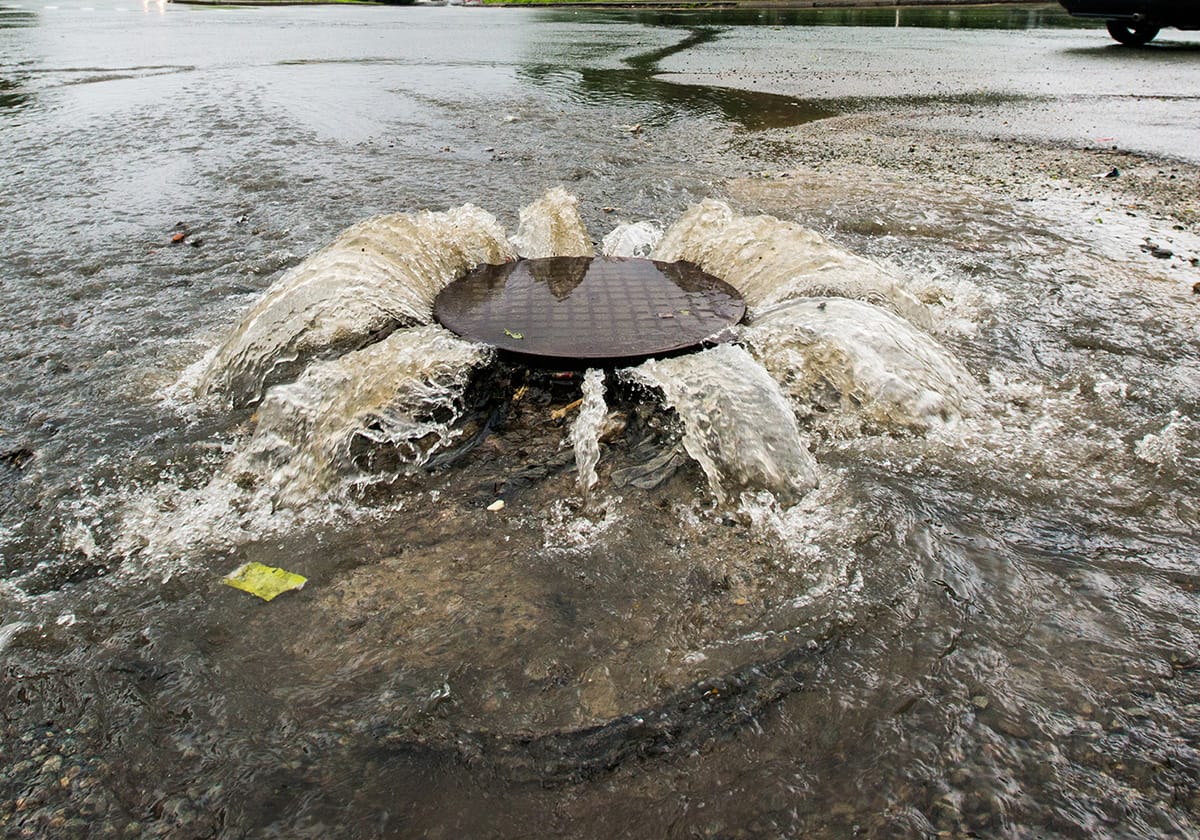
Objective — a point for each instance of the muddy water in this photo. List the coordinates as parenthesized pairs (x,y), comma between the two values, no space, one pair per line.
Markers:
(932,570)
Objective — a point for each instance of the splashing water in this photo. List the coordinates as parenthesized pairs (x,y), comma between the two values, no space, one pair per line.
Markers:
(363,419)
(401,395)
(770,261)
(379,274)
(892,373)
(552,227)
(634,239)
(585,433)
(737,423)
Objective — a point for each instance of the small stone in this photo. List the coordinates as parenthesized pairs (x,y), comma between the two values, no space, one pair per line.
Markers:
(496,505)
(52,764)
(1162,253)
(980,702)
(614,426)
(1196,287)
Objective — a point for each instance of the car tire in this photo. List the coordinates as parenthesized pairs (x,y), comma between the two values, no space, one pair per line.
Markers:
(1132,34)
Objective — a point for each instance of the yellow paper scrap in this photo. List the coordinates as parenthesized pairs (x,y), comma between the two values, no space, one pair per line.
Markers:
(264,581)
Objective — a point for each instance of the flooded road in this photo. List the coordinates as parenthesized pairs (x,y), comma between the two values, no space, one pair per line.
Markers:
(913,555)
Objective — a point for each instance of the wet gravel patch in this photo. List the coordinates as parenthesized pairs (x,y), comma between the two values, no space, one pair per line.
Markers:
(1132,206)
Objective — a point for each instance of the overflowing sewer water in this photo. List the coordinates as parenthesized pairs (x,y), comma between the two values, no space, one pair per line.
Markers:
(912,552)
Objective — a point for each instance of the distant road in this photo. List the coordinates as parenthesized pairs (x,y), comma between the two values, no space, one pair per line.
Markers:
(1065,85)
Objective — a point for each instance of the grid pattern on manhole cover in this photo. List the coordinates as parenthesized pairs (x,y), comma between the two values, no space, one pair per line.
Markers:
(589,308)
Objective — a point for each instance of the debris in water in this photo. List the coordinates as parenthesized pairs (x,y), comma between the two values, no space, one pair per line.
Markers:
(496,505)
(560,413)
(654,472)
(264,581)
(613,427)
(177,238)
(518,336)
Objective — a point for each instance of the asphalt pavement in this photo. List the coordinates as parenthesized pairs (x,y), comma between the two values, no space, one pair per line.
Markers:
(1061,85)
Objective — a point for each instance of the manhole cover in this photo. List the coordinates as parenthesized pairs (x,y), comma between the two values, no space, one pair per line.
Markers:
(589,309)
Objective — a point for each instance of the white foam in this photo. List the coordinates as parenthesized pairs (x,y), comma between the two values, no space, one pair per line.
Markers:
(632,239)
(401,394)
(552,227)
(379,274)
(891,373)
(585,431)
(770,261)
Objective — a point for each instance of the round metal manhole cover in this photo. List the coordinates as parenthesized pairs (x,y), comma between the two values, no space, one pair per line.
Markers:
(589,309)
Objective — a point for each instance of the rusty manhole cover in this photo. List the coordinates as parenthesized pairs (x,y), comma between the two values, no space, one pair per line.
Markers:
(589,309)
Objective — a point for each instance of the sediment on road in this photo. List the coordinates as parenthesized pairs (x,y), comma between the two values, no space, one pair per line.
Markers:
(1023,169)
(1145,207)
